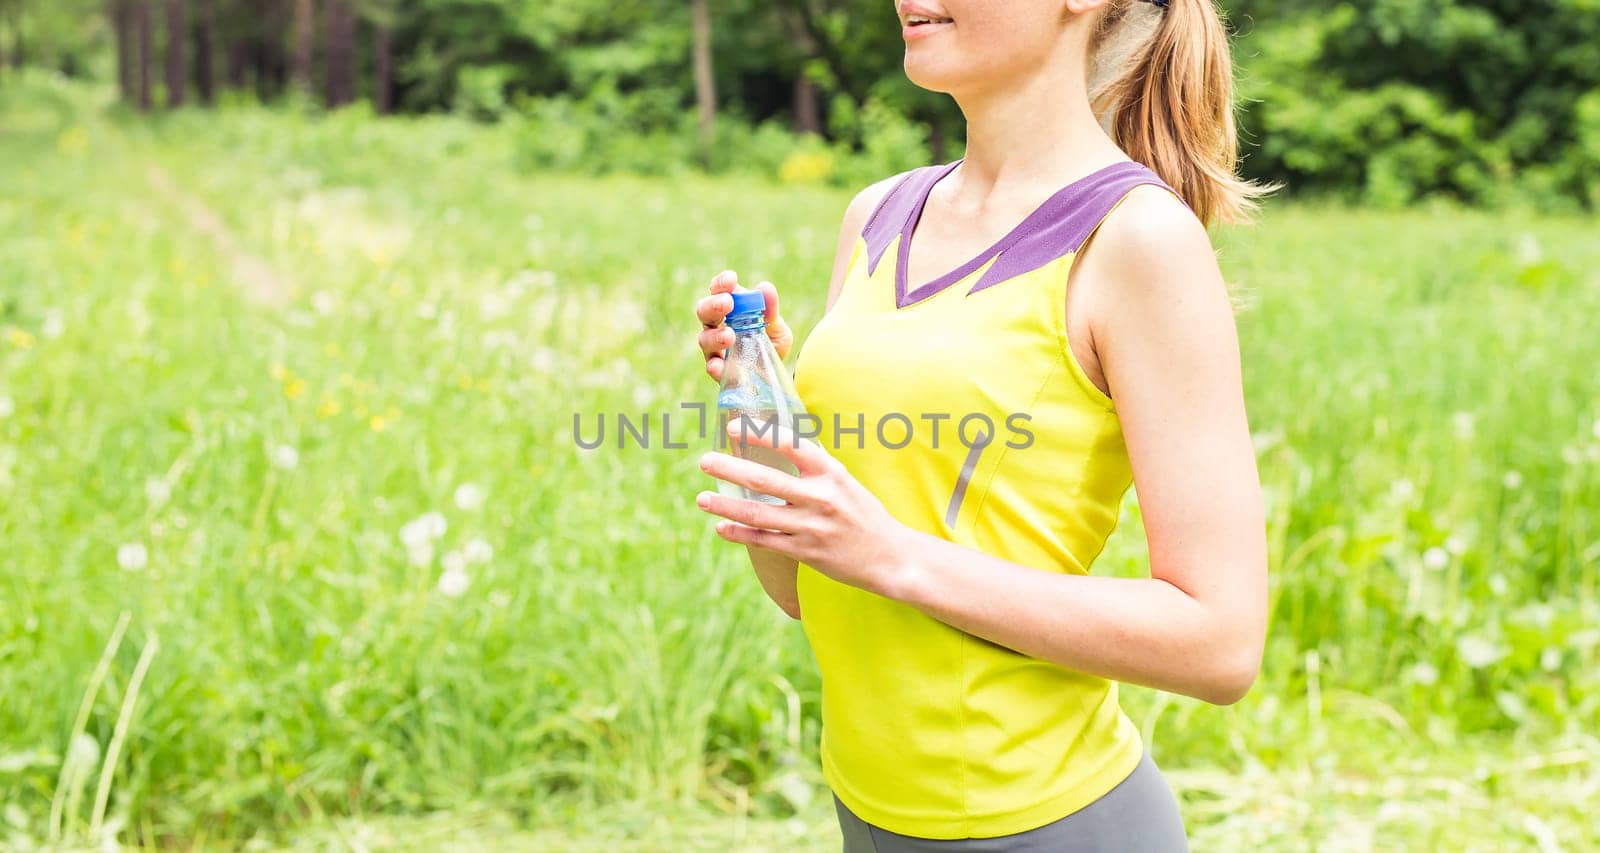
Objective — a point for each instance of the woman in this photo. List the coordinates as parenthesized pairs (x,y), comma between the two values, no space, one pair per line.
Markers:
(988,386)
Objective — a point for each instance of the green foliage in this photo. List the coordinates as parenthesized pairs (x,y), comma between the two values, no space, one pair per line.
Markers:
(1390,101)
(1387,102)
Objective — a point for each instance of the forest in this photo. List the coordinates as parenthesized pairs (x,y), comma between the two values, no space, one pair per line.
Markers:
(1381,101)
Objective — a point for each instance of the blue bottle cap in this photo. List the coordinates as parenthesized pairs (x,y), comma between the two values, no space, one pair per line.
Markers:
(749,302)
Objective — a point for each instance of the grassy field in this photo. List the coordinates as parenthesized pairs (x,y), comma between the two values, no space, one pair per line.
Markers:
(299,547)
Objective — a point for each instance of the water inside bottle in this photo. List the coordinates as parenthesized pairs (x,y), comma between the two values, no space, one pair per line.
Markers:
(762,410)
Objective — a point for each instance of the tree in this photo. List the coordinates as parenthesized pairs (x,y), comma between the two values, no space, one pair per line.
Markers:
(382,68)
(18,50)
(304,40)
(705,93)
(144,50)
(339,52)
(123,43)
(205,51)
(177,68)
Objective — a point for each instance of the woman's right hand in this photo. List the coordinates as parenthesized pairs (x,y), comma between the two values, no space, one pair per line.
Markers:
(716,337)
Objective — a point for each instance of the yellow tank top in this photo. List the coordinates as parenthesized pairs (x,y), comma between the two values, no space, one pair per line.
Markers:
(959,404)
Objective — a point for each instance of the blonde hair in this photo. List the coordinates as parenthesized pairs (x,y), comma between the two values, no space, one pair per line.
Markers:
(1161,78)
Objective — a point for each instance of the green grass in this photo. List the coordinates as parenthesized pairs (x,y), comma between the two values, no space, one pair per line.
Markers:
(185,298)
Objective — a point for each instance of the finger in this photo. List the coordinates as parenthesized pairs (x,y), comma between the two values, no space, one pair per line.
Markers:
(755,476)
(771,540)
(749,513)
(712,309)
(724,282)
(713,342)
(770,292)
(714,367)
(808,457)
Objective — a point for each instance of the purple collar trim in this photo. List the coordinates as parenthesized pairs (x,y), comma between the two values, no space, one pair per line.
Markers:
(1056,228)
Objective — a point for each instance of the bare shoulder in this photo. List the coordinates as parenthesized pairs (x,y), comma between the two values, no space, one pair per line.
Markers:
(854,221)
(1151,233)
(1151,255)
(867,200)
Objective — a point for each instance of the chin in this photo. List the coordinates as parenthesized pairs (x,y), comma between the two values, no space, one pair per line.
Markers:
(930,73)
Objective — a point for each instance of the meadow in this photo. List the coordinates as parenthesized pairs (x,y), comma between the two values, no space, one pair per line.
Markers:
(299,549)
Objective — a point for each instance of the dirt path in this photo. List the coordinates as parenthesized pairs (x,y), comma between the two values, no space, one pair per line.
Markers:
(259,281)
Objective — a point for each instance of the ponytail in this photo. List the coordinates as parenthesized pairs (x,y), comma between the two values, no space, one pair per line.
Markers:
(1162,81)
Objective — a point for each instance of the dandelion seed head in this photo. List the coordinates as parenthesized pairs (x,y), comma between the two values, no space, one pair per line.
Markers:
(1528,249)
(1423,673)
(478,551)
(492,306)
(454,561)
(453,582)
(156,491)
(1465,422)
(323,302)
(1403,489)
(285,457)
(469,496)
(133,556)
(54,324)
(422,531)
(1478,651)
(1435,558)
(8,407)
(420,555)
(544,360)
(1455,545)
(1512,480)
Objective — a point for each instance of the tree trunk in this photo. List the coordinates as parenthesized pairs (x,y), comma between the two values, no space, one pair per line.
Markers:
(177,68)
(205,65)
(238,62)
(339,52)
(18,49)
(304,45)
(143,56)
(807,117)
(843,76)
(122,33)
(705,93)
(382,70)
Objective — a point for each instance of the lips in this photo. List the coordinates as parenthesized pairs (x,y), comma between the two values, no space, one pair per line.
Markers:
(914,15)
(918,21)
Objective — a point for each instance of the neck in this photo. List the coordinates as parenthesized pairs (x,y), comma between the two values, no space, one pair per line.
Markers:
(1039,131)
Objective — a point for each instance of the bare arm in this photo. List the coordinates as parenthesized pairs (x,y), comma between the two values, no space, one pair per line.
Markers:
(1169,349)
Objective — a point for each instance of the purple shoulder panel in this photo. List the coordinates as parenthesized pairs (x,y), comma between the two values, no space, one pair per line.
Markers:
(1061,225)
(894,209)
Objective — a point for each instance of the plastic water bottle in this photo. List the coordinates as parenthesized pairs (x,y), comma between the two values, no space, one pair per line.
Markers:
(757,392)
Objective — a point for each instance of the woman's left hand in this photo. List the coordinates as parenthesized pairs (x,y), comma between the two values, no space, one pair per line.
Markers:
(831,522)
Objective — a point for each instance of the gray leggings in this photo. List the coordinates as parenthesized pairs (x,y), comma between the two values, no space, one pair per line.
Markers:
(1139,814)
